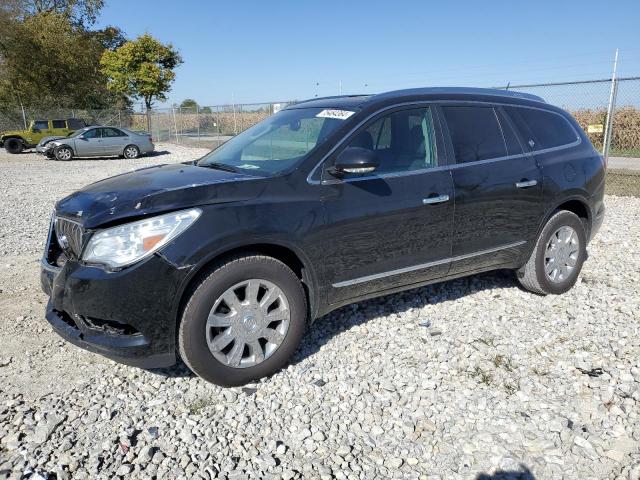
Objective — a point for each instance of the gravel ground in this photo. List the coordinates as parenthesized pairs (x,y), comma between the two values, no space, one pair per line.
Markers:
(473,378)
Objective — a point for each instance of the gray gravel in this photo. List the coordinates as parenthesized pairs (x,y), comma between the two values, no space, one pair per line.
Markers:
(462,379)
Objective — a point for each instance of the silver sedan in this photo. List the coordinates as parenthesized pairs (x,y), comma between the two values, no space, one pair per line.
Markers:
(98,141)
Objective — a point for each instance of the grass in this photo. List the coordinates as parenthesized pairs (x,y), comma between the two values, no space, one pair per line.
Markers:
(482,376)
(504,362)
(197,406)
(632,152)
(625,183)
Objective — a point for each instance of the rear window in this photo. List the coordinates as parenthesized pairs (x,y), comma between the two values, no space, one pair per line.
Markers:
(76,123)
(475,133)
(542,129)
(59,124)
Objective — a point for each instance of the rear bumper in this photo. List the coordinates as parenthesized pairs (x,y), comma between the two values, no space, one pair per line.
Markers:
(596,222)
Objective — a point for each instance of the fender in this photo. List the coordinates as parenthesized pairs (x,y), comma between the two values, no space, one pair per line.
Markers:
(309,275)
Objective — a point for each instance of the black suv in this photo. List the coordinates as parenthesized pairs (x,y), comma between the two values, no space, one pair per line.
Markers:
(330,201)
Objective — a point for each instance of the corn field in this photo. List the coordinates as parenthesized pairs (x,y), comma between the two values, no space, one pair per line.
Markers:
(587,101)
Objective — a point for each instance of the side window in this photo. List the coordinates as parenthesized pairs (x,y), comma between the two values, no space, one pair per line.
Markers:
(475,133)
(510,138)
(59,124)
(93,133)
(41,124)
(403,141)
(112,132)
(542,129)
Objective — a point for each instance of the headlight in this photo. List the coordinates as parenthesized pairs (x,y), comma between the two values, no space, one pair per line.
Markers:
(123,245)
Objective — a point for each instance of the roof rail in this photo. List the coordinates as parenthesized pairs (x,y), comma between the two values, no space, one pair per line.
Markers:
(463,91)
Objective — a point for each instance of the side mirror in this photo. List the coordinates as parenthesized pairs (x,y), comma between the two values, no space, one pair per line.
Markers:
(35,130)
(355,160)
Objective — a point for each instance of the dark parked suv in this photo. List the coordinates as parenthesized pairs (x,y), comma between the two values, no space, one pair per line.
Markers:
(330,201)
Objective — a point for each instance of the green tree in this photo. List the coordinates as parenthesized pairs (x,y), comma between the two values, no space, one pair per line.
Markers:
(46,61)
(142,68)
(78,12)
(189,103)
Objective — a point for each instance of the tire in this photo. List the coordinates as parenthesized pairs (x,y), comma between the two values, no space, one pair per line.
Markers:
(534,275)
(63,153)
(196,335)
(13,145)
(131,152)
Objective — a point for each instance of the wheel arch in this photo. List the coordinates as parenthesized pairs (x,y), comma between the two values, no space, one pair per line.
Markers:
(68,146)
(9,137)
(287,254)
(575,204)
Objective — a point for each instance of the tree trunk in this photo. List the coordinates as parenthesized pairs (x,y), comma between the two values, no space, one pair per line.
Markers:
(147,102)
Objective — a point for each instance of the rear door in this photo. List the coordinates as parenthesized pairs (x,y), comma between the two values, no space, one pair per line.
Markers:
(113,141)
(90,143)
(392,227)
(498,192)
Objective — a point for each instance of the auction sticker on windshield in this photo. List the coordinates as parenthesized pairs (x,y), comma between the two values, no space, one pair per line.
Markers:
(337,114)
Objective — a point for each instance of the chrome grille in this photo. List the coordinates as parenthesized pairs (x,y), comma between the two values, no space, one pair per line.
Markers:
(70,236)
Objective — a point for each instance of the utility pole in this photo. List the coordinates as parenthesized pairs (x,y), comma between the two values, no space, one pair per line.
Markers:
(606,144)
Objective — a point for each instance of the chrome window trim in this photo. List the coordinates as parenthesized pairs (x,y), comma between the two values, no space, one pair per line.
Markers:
(413,268)
(419,103)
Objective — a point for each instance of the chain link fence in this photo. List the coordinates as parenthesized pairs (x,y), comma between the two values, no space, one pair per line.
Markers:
(208,127)
(590,102)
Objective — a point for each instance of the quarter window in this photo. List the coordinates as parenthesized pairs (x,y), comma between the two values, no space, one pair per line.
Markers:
(542,129)
(475,133)
(403,141)
(59,124)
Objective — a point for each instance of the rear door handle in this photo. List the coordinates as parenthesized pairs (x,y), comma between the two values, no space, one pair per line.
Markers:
(434,200)
(526,183)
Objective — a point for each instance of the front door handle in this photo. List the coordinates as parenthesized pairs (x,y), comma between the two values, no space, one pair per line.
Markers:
(434,200)
(526,183)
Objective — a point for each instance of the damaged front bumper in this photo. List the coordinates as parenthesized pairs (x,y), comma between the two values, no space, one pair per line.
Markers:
(128,316)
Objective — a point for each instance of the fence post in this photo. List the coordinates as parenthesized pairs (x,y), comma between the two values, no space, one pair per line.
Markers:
(198,121)
(610,112)
(175,123)
(235,123)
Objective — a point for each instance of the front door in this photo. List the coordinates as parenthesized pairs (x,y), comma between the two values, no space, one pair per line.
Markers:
(390,228)
(90,143)
(498,189)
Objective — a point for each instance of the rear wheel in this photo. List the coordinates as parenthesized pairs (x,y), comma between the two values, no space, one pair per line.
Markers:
(557,258)
(13,145)
(63,153)
(243,321)
(131,152)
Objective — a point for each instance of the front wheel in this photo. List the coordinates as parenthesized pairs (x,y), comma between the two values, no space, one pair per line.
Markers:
(557,258)
(63,153)
(243,321)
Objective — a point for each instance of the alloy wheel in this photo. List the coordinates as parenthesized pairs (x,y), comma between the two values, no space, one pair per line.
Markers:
(131,152)
(561,254)
(248,323)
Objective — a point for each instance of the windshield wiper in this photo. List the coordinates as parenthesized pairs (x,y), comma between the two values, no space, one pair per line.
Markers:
(220,166)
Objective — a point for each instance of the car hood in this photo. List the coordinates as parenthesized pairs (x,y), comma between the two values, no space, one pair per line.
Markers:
(153,190)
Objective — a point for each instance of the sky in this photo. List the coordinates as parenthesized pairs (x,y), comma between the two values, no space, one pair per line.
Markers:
(268,51)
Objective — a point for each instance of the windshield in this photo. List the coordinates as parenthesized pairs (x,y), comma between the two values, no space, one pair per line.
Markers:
(77,133)
(278,142)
